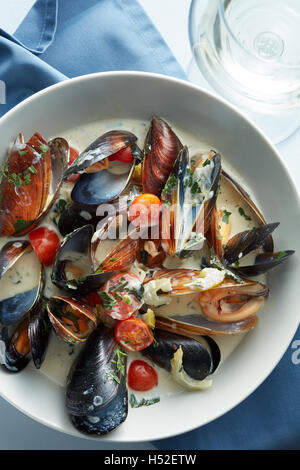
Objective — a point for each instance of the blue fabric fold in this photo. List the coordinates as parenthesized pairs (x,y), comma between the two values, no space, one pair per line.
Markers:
(60,39)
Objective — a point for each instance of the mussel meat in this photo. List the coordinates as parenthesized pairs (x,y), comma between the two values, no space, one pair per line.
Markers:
(72,319)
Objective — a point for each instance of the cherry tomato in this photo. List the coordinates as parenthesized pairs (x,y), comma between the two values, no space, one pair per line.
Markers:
(133,334)
(93,298)
(121,295)
(142,376)
(73,155)
(123,155)
(45,243)
(145,210)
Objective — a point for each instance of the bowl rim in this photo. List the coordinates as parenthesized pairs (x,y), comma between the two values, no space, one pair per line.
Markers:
(233,109)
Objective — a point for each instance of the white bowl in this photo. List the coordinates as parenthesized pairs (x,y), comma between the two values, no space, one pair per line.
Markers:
(140,96)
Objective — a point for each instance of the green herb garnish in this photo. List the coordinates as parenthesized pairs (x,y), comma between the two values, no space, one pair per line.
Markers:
(112,375)
(59,208)
(207,162)
(280,255)
(243,214)
(170,185)
(44,148)
(226,215)
(107,301)
(134,403)
(21,224)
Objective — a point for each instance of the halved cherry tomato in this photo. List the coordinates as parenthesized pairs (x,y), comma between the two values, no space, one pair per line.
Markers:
(145,210)
(121,295)
(93,298)
(123,155)
(73,155)
(133,334)
(45,243)
(142,376)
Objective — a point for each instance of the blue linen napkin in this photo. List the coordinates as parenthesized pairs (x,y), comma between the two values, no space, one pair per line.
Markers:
(67,38)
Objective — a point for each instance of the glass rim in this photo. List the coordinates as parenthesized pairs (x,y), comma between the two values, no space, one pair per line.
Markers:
(252,55)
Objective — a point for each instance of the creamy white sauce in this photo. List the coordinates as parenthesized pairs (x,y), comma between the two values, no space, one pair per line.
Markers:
(60,355)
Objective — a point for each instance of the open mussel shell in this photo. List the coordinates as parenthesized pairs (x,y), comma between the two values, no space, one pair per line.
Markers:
(244,242)
(188,201)
(72,267)
(185,281)
(15,349)
(219,231)
(96,396)
(39,331)
(11,252)
(196,324)
(29,340)
(249,204)
(103,186)
(103,147)
(232,301)
(161,150)
(200,356)
(72,319)
(30,183)
(113,248)
(13,267)
(76,216)
(263,263)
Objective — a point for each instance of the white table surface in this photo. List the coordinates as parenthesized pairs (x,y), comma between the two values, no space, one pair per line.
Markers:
(17,431)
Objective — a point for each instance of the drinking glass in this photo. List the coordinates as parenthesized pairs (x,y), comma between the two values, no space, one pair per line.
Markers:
(249,52)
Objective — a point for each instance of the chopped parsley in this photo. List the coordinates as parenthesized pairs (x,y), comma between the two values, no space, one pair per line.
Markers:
(59,208)
(22,152)
(280,255)
(207,162)
(119,362)
(170,185)
(134,403)
(21,224)
(107,301)
(113,376)
(44,148)
(243,214)
(226,215)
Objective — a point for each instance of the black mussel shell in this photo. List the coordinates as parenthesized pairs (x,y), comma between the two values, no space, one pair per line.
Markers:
(244,242)
(268,244)
(75,248)
(198,361)
(103,147)
(39,331)
(76,216)
(96,396)
(12,357)
(103,186)
(263,263)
